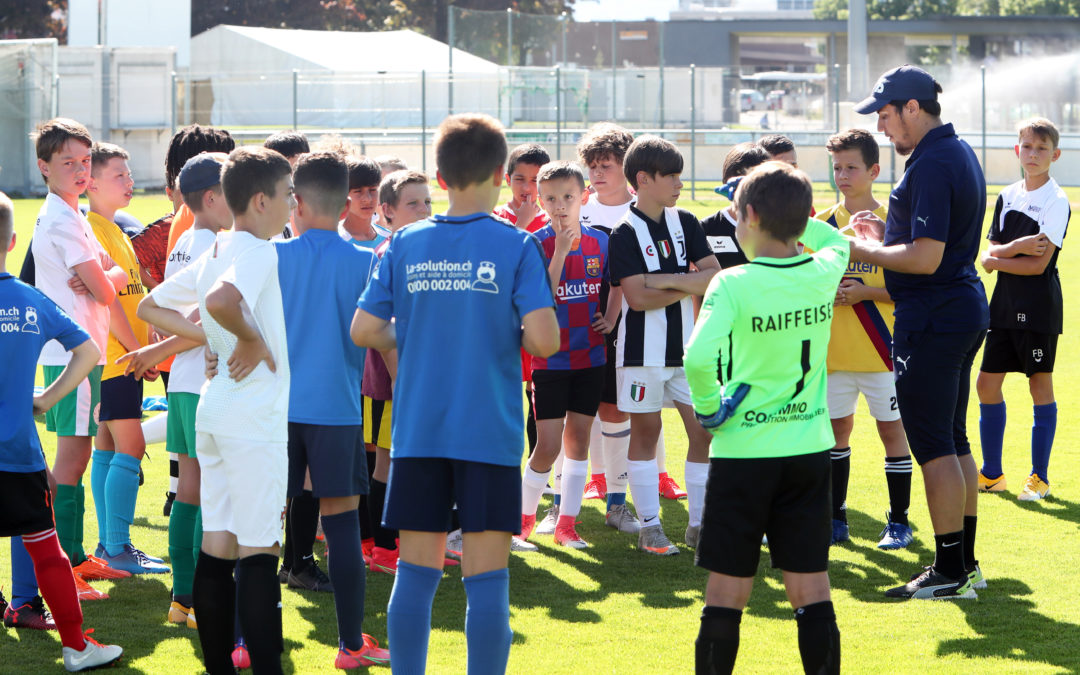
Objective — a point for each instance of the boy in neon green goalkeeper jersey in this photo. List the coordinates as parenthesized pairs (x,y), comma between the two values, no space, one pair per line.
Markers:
(770,321)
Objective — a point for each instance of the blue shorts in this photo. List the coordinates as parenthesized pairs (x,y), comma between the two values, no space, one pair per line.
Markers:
(335,455)
(933,382)
(422,491)
(121,398)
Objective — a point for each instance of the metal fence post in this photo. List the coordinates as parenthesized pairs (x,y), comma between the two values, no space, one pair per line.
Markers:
(565,21)
(295,98)
(693,134)
(423,120)
(836,95)
(614,60)
(558,112)
(174,103)
(509,36)
(450,61)
(661,28)
(982,71)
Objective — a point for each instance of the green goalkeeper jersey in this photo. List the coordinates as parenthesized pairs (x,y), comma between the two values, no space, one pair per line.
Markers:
(769,321)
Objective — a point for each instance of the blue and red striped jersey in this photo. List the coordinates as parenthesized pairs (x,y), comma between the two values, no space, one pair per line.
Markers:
(577,300)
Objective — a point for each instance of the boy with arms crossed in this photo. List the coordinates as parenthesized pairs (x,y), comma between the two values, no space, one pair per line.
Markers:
(770,459)
(67,256)
(28,320)
(119,445)
(459,443)
(568,385)
(241,420)
(1029,224)
(651,252)
(860,350)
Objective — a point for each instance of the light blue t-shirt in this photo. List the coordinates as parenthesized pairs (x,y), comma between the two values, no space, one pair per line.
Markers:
(457,288)
(28,319)
(321,277)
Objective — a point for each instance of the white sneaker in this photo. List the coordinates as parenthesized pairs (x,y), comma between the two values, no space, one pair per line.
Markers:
(622,519)
(652,540)
(94,655)
(693,535)
(453,544)
(547,525)
(521,546)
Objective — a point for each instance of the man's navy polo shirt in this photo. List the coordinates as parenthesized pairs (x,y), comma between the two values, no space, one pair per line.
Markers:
(941,196)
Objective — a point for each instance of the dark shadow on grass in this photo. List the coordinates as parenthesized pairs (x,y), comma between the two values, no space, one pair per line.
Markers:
(1009,628)
(1062,509)
(161,525)
(867,581)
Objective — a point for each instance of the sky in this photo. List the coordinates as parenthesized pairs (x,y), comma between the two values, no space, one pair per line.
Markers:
(623,10)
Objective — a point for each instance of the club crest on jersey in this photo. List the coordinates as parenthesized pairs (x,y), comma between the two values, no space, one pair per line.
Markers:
(592,265)
(665,248)
(637,392)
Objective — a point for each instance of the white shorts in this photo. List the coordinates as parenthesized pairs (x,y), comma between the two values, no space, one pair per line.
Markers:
(878,388)
(646,389)
(243,487)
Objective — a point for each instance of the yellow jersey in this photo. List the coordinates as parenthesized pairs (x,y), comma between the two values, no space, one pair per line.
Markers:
(861,338)
(118,247)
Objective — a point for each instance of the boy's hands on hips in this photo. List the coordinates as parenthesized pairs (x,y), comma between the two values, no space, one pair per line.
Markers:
(246,356)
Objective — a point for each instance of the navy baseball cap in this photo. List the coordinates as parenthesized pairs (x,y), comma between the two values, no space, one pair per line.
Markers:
(899,84)
(201,171)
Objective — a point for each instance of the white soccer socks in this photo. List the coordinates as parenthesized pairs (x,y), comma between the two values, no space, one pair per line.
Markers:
(697,474)
(645,489)
(573,486)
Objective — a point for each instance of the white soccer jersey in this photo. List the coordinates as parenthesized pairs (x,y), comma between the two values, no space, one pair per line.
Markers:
(63,239)
(188,370)
(595,214)
(257,407)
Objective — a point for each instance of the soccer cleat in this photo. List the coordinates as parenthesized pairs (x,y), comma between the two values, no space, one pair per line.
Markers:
(669,489)
(528,522)
(96,569)
(652,540)
(311,578)
(519,545)
(283,575)
(3,603)
(566,535)
(895,536)
(181,614)
(551,519)
(453,544)
(620,517)
(693,535)
(86,591)
(385,560)
(839,531)
(241,659)
(29,615)
(370,654)
(978,581)
(596,488)
(134,561)
(1034,490)
(99,553)
(93,655)
(930,585)
(151,558)
(991,484)
(366,547)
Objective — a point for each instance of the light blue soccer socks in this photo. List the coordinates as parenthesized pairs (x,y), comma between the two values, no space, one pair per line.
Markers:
(408,616)
(347,575)
(1042,438)
(101,462)
(992,436)
(121,490)
(487,621)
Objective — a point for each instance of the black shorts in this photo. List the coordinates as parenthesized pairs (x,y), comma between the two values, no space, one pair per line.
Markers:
(335,455)
(25,503)
(786,498)
(557,391)
(1018,351)
(611,387)
(121,399)
(933,382)
(422,491)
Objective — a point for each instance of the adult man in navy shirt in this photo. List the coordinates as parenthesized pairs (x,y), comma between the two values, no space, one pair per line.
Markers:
(928,248)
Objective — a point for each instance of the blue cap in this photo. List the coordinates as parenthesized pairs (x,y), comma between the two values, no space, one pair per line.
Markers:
(201,171)
(899,84)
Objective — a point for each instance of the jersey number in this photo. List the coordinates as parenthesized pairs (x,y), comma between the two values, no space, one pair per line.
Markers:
(805,368)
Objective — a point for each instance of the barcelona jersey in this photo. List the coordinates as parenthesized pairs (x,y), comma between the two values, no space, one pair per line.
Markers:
(577,300)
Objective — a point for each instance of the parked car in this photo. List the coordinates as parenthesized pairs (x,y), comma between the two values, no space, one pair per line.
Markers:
(751,99)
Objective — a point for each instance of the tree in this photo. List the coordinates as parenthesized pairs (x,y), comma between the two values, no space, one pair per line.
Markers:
(22,19)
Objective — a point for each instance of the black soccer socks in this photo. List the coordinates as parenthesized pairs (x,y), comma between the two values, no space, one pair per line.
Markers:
(718,641)
(819,639)
(258,598)
(302,522)
(841,470)
(214,596)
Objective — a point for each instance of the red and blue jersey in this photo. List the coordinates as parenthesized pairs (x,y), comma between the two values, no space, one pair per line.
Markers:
(577,300)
